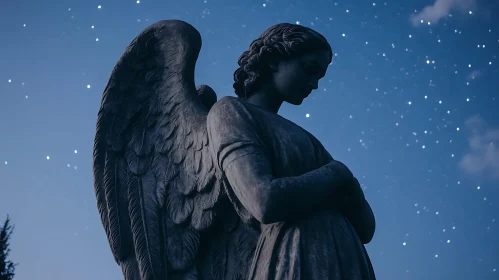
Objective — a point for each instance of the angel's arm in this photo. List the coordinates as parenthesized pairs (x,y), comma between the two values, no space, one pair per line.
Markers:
(362,219)
(271,199)
(242,156)
(358,211)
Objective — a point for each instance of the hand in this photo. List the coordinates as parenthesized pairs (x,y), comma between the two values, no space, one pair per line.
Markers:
(356,190)
(342,181)
(341,172)
(353,196)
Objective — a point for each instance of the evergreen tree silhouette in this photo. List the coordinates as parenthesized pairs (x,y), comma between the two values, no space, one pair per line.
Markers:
(6,267)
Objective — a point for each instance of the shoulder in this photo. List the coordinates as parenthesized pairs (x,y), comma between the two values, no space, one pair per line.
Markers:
(228,108)
(226,102)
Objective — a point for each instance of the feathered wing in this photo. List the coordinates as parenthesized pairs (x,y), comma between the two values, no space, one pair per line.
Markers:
(158,189)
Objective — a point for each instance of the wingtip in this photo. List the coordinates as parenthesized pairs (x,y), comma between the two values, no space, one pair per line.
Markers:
(173,24)
(207,95)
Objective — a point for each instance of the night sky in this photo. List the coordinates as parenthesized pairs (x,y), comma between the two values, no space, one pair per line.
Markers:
(410,104)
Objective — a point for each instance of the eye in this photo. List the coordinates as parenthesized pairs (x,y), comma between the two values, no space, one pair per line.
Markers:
(310,68)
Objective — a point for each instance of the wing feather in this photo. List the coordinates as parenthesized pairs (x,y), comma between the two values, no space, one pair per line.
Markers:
(144,220)
(115,170)
(158,190)
(219,261)
(182,243)
(99,155)
(178,206)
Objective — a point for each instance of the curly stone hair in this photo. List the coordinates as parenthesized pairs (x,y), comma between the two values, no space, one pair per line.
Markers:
(281,41)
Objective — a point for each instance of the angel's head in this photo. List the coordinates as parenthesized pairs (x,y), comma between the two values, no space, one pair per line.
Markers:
(288,58)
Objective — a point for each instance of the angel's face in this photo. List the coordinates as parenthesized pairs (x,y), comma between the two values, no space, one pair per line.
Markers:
(294,79)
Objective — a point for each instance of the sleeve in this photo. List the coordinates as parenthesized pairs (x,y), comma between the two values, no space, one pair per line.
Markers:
(241,155)
(237,147)
(233,132)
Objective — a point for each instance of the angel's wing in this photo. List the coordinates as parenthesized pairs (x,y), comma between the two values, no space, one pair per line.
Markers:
(157,187)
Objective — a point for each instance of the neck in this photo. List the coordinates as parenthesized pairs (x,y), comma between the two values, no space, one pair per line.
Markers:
(265,100)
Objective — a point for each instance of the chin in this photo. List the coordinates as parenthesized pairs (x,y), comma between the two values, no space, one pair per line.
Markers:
(295,102)
(298,101)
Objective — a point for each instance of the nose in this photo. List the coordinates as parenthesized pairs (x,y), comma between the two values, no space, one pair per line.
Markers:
(313,84)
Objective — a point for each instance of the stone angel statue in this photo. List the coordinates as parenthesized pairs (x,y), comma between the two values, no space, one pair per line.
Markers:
(189,187)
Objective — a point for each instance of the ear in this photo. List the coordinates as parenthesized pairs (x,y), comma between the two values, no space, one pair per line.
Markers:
(273,64)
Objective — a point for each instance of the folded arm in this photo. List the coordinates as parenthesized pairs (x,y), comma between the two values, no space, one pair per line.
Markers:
(271,199)
(359,213)
(236,141)
(362,219)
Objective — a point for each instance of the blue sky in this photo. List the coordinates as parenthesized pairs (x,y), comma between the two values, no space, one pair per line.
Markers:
(409,104)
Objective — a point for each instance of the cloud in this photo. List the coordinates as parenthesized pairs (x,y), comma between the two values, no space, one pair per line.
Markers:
(441,8)
(474,74)
(482,159)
